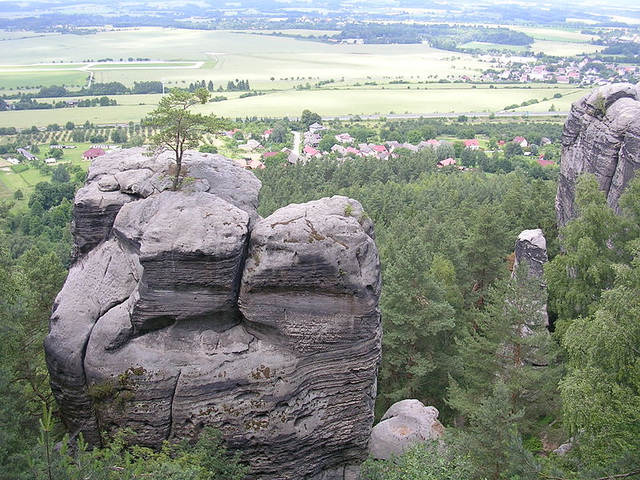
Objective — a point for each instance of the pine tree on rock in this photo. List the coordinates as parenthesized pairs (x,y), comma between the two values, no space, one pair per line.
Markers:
(178,129)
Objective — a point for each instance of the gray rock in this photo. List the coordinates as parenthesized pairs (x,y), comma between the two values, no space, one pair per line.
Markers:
(531,251)
(311,269)
(406,424)
(564,448)
(191,247)
(601,136)
(147,332)
(94,212)
(97,283)
(235,185)
(311,286)
(123,176)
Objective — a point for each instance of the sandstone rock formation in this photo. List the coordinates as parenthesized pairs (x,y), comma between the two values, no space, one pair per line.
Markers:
(601,136)
(531,251)
(184,309)
(404,425)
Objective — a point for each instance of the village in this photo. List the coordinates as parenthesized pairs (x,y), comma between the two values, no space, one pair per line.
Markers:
(345,147)
(585,72)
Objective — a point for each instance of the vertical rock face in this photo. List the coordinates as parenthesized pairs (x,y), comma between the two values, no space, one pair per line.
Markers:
(601,136)
(184,309)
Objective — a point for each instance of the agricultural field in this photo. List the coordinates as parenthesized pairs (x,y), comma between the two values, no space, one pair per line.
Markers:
(418,99)
(354,79)
(560,41)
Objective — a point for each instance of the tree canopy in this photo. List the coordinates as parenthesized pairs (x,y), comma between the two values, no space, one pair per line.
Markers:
(180,129)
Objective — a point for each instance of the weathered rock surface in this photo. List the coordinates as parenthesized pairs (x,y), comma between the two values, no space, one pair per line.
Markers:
(405,424)
(601,136)
(184,309)
(126,175)
(531,251)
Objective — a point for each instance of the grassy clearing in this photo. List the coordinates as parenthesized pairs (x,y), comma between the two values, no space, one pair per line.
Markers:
(26,181)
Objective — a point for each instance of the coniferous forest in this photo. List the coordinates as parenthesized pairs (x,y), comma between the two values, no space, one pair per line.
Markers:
(446,240)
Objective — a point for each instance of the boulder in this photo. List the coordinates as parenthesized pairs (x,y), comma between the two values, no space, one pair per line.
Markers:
(186,310)
(601,136)
(406,424)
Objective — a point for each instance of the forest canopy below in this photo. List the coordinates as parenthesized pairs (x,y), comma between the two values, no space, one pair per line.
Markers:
(446,240)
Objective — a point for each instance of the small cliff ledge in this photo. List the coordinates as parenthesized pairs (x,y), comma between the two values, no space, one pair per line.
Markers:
(184,309)
(601,136)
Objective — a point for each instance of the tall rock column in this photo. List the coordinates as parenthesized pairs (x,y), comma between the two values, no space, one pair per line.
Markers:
(601,136)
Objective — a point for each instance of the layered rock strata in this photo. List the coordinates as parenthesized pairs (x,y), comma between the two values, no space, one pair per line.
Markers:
(601,136)
(185,309)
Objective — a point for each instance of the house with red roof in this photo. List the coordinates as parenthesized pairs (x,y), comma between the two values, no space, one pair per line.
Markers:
(545,163)
(345,138)
(309,151)
(231,133)
(446,162)
(254,164)
(472,144)
(339,149)
(521,141)
(93,153)
(354,151)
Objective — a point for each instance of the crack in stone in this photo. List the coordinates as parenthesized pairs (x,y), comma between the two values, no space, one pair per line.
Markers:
(171,402)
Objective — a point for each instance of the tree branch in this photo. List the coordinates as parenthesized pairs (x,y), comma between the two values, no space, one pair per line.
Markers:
(608,477)
(620,475)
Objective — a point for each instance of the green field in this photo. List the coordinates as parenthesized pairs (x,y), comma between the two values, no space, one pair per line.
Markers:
(563,48)
(365,79)
(566,35)
(37,79)
(429,98)
(24,181)
(418,99)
